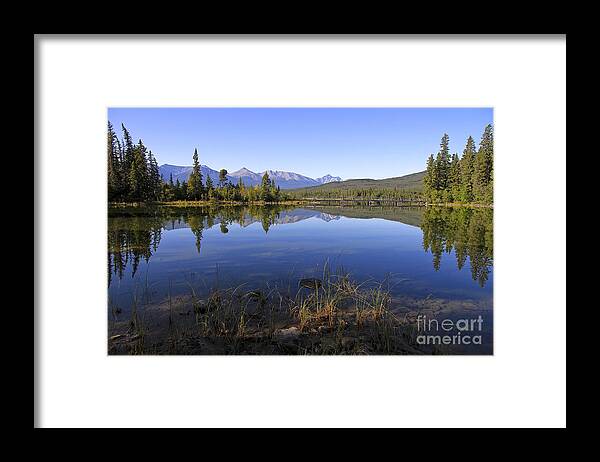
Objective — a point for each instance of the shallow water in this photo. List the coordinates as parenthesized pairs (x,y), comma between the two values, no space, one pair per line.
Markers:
(419,253)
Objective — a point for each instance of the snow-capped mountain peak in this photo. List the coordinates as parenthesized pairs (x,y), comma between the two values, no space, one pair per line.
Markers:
(242,171)
(328,179)
(285,180)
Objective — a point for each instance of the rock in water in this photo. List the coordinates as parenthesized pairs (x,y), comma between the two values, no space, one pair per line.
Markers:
(289,334)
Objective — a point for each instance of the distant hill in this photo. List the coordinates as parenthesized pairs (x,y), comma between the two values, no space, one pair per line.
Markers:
(414,182)
(285,180)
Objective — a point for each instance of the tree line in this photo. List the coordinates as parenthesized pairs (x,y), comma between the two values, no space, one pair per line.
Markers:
(132,169)
(469,178)
(360,194)
(133,176)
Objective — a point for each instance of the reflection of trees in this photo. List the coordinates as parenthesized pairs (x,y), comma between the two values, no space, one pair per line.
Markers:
(266,215)
(196,224)
(129,240)
(468,231)
(133,237)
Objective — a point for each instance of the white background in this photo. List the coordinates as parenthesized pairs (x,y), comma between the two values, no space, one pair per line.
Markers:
(523,384)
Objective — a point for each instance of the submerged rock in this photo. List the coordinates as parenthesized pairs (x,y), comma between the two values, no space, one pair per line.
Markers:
(289,334)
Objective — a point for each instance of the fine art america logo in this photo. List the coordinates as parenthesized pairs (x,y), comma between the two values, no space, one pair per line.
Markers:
(449,332)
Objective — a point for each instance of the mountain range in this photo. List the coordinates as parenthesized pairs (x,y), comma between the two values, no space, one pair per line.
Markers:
(285,180)
(283,217)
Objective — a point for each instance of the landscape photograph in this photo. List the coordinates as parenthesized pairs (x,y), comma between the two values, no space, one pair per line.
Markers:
(300,231)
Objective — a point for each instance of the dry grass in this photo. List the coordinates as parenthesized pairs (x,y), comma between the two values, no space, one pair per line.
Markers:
(335,316)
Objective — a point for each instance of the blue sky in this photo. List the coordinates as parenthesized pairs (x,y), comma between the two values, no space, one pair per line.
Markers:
(346,142)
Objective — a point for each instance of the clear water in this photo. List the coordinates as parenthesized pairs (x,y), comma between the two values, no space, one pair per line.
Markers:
(424,256)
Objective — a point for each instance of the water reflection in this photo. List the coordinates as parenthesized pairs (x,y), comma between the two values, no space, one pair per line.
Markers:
(134,236)
(467,231)
(131,239)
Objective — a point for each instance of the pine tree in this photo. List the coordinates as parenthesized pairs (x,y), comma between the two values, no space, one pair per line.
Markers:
(154,178)
(195,189)
(183,190)
(134,184)
(428,179)
(138,174)
(210,188)
(273,191)
(265,188)
(127,149)
(442,164)
(114,166)
(483,168)
(178,195)
(454,178)
(167,192)
(466,171)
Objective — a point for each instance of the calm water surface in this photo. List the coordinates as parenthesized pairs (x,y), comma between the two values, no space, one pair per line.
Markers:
(420,252)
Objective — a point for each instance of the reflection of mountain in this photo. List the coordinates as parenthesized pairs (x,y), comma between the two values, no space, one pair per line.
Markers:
(282,218)
(466,231)
(407,215)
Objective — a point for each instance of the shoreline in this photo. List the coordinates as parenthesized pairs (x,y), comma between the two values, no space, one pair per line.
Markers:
(346,202)
(331,315)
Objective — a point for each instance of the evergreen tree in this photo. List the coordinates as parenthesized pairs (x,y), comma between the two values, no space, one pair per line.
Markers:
(429,179)
(127,149)
(222,177)
(138,174)
(210,189)
(466,171)
(154,179)
(465,179)
(177,193)
(115,188)
(454,178)
(265,188)
(167,192)
(483,168)
(442,164)
(241,191)
(194,187)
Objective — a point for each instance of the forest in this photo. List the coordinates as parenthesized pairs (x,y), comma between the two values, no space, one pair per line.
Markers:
(363,194)
(465,179)
(133,176)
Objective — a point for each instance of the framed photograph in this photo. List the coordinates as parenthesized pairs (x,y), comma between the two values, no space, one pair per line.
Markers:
(392,254)
(338,219)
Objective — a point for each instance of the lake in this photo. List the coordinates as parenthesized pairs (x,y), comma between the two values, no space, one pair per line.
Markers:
(420,254)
